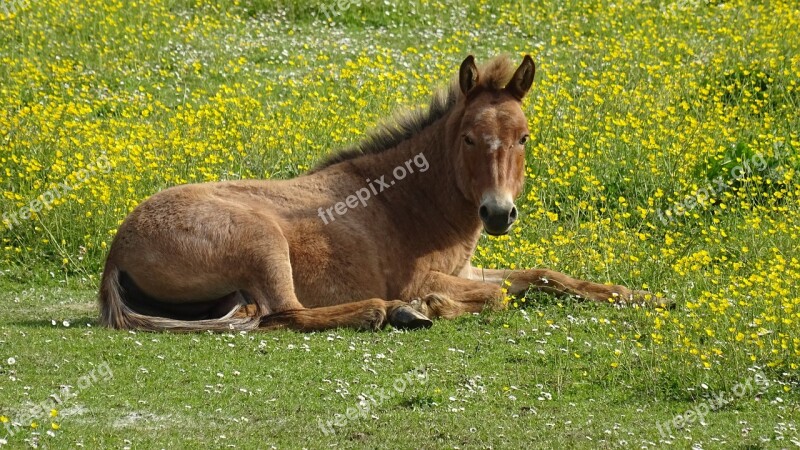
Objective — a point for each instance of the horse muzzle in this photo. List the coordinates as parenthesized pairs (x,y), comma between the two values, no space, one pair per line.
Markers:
(497,215)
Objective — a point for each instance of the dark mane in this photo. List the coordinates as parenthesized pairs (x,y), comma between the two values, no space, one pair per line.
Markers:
(495,74)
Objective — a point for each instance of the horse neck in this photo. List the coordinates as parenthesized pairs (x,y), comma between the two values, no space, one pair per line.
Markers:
(427,205)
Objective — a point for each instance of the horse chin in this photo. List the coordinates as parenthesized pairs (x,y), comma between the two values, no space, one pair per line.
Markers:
(496,232)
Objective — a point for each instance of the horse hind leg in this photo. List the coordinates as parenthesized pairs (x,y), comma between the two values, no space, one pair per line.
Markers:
(142,303)
(372,314)
(368,315)
(270,288)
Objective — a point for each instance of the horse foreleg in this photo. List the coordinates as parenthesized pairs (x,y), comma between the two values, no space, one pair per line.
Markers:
(518,282)
(372,314)
(449,296)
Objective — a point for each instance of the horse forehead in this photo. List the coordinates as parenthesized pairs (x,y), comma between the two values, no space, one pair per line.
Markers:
(497,116)
(492,115)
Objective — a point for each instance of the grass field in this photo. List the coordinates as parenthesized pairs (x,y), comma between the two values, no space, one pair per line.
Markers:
(663,155)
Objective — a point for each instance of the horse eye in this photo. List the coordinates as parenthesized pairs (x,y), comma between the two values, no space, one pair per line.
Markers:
(468,140)
(524,140)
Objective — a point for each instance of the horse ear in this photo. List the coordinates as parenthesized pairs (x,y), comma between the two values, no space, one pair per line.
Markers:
(523,78)
(468,74)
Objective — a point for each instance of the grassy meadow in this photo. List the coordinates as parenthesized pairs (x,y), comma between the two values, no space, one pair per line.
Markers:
(663,155)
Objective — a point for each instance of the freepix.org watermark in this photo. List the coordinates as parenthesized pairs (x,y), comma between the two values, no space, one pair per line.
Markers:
(753,385)
(757,163)
(8,7)
(35,413)
(45,200)
(373,401)
(337,7)
(373,187)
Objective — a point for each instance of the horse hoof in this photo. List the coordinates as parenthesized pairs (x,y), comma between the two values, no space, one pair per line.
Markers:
(646,298)
(666,303)
(407,318)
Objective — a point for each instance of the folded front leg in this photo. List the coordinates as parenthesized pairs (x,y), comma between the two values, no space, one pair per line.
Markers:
(449,296)
(372,314)
(552,282)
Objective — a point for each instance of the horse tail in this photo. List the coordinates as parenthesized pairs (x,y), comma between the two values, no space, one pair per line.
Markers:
(115,313)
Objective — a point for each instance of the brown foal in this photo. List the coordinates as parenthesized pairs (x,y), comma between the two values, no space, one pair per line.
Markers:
(381,233)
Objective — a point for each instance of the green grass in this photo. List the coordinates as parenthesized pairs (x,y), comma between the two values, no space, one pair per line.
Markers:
(502,380)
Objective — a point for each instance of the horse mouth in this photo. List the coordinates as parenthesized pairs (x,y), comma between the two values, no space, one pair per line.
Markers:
(496,232)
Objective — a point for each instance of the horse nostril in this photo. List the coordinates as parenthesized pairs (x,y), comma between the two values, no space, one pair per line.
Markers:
(484,213)
(512,215)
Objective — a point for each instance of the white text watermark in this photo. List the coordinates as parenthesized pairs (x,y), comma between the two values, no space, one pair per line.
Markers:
(373,401)
(374,187)
(751,386)
(45,200)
